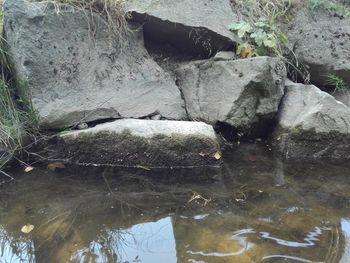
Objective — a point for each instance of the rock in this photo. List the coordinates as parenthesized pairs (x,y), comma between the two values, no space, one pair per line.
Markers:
(225,55)
(143,143)
(78,71)
(243,93)
(312,125)
(343,97)
(198,27)
(321,42)
(82,126)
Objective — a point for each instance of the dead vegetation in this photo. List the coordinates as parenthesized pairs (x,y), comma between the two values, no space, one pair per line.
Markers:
(112,12)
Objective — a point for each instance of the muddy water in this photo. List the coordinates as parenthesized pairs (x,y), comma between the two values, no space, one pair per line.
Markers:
(256,210)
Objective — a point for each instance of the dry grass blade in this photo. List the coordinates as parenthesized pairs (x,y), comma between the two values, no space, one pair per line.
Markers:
(112,11)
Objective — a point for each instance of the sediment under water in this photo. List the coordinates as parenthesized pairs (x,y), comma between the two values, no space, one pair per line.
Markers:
(256,209)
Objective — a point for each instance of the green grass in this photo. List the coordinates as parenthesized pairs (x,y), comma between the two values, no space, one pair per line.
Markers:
(334,8)
(17,117)
(339,85)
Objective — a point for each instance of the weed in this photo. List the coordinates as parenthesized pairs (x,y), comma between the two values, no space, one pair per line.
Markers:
(260,33)
(111,10)
(258,38)
(337,83)
(17,117)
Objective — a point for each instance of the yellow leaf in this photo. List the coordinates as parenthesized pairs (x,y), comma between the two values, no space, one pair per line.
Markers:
(26,229)
(217,156)
(246,50)
(28,169)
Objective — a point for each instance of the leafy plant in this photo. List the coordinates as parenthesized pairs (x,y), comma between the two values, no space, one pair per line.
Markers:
(258,38)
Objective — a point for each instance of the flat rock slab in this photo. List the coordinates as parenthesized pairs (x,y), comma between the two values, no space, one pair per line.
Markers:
(199,26)
(243,93)
(143,143)
(312,125)
(80,70)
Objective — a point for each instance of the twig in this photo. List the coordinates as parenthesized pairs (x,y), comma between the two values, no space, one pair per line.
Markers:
(7,175)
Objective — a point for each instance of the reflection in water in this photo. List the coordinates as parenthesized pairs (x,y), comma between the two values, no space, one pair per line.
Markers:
(129,217)
(345,226)
(15,250)
(139,243)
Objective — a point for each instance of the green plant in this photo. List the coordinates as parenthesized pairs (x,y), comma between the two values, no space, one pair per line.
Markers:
(17,117)
(258,38)
(340,9)
(337,83)
(259,33)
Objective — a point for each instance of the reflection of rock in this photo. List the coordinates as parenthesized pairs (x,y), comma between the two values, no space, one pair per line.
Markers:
(147,143)
(243,93)
(312,125)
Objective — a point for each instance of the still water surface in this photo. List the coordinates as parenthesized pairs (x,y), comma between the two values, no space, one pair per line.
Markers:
(256,210)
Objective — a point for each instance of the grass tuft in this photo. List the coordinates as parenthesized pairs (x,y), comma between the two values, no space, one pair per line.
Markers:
(112,11)
(17,117)
(337,83)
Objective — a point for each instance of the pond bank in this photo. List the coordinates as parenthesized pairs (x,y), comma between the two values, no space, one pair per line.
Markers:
(97,77)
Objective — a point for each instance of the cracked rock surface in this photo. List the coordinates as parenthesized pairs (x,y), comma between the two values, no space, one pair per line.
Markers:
(305,107)
(243,93)
(321,42)
(198,27)
(312,125)
(78,70)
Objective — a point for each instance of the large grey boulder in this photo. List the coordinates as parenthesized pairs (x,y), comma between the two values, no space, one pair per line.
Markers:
(312,124)
(78,70)
(143,143)
(243,93)
(199,27)
(321,42)
(343,96)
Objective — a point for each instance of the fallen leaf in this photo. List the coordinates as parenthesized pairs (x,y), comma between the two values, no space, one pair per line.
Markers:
(26,229)
(28,169)
(217,156)
(55,165)
(246,50)
(202,154)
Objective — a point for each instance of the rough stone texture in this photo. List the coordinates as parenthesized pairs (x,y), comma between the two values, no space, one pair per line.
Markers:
(193,26)
(225,55)
(322,43)
(149,143)
(305,107)
(243,93)
(77,70)
(312,125)
(343,97)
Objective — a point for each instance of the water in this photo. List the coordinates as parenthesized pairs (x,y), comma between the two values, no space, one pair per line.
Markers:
(256,210)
